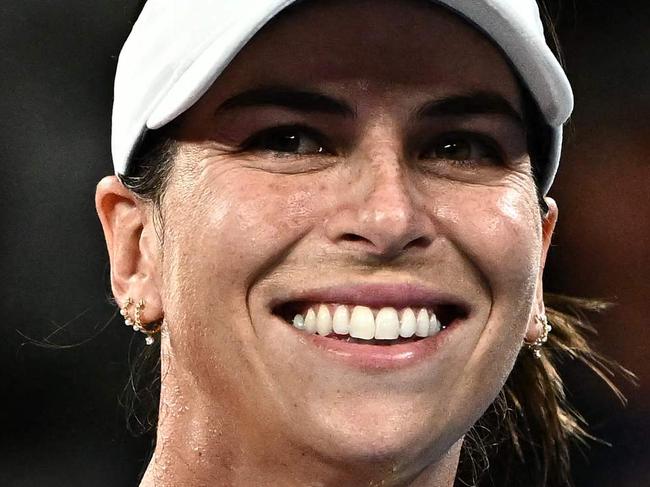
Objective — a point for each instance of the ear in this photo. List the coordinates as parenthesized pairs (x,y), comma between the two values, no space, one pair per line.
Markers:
(133,247)
(549,220)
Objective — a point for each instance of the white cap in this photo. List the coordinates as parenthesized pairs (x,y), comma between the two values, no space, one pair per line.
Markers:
(178,48)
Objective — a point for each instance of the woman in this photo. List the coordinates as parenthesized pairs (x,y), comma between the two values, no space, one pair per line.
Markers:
(335,214)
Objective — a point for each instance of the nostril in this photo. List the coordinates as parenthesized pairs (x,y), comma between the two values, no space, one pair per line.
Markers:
(351,237)
(421,242)
(389,246)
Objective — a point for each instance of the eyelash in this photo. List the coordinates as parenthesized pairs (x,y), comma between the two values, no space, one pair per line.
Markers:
(263,141)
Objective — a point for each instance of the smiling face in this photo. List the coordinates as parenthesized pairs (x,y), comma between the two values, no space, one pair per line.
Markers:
(359,153)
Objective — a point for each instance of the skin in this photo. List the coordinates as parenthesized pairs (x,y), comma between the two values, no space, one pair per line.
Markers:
(243,401)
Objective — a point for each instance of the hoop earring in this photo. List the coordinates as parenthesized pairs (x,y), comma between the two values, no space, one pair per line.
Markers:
(536,346)
(124,311)
(135,321)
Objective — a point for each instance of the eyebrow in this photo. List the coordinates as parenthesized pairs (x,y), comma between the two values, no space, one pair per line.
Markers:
(284,97)
(477,103)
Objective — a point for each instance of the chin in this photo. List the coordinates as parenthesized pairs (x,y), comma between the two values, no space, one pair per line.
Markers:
(350,439)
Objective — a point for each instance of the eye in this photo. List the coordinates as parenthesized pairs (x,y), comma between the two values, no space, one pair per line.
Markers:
(464,148)
(294,139)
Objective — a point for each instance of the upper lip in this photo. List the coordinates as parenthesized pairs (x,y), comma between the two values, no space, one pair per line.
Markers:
(377,295)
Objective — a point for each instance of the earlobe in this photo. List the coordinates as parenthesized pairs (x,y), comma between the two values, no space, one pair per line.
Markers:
(131,249)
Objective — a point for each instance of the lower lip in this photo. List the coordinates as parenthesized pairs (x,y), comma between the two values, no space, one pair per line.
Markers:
(381,357)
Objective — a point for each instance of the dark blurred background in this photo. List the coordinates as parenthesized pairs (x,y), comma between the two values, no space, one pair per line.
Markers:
(60,422)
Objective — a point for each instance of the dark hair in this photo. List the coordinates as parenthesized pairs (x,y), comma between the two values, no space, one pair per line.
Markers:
(525,435)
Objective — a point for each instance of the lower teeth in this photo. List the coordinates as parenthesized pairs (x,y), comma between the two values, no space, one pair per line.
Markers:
(349,339)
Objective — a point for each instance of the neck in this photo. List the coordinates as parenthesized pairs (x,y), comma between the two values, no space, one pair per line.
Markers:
(201,443)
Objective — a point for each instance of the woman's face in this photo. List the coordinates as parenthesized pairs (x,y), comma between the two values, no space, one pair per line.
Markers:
(358,153)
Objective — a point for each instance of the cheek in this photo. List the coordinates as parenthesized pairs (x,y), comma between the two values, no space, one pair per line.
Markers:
(221,236)
(499,230)
(267,218)
(236,225)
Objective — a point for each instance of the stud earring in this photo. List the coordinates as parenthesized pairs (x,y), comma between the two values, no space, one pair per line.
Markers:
(135,321)
(536,346)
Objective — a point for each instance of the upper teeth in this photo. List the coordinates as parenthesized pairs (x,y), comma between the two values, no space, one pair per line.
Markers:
(365,323)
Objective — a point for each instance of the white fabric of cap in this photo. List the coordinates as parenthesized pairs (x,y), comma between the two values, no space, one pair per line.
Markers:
(178,48)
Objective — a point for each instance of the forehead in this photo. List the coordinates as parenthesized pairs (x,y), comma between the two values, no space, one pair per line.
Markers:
(414,46)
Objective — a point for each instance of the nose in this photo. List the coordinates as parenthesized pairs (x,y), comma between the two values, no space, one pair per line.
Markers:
(381,212)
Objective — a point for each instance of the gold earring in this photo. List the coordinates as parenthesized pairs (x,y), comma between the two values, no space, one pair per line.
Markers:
(536,346)
(136,320)
(124,311)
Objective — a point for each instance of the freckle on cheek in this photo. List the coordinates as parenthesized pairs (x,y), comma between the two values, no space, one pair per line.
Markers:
(298,207)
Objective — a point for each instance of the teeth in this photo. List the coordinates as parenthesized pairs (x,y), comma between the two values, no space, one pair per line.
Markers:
(366,324)
(341,320)
(310,321)
(323,321)
(299,322)
(386,324)
(362,323)
(434,325)
(409,324)
(422,328)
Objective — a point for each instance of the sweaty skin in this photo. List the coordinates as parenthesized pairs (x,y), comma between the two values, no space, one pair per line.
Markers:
(378,193)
